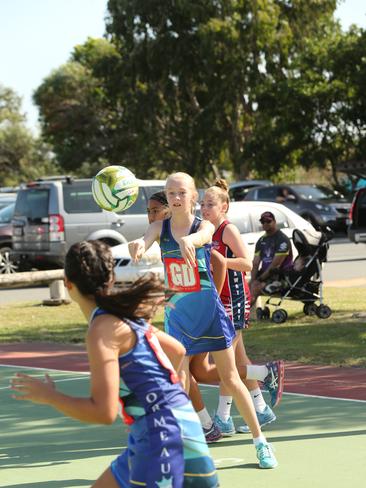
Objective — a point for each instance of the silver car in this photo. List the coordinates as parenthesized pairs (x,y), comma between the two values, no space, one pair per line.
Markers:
(53,213)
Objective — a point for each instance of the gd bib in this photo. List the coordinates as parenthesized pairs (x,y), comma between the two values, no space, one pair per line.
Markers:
(181,277)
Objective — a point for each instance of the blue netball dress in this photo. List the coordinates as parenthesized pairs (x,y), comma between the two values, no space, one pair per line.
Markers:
(194,313)
(166,444)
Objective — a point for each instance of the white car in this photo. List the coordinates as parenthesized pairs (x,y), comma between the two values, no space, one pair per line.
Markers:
(245,215)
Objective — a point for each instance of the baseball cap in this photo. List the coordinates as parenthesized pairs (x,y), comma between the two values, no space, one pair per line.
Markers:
(267,215)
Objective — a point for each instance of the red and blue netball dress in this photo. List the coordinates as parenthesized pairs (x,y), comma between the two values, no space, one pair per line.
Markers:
(194,314)
(166,445)
(235,293)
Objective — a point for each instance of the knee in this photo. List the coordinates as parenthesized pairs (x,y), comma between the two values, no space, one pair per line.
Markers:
(231,381)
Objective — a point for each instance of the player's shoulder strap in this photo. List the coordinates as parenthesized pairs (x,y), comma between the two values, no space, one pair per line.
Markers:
(165,228)
(220,230)
(195,225)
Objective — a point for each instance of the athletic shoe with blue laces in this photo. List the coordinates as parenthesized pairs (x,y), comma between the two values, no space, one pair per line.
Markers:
(274,381)
(212,434)
(266,456)
(227,428)
(264,418)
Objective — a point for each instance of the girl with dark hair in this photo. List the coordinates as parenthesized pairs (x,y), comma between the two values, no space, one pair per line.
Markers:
(133,369)
(157,207)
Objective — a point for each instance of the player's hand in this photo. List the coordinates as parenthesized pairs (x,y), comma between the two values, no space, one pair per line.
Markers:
(136,249)
(32,389)
(188,251)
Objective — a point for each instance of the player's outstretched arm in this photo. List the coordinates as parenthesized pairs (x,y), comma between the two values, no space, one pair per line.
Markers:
(102,405)
(138,247)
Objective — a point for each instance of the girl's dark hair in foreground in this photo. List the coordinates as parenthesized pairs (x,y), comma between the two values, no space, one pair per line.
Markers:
(90,266)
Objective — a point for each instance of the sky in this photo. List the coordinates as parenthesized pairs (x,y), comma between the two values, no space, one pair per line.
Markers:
(37,36)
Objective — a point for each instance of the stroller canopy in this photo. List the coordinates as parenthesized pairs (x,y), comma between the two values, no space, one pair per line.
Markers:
(307,242)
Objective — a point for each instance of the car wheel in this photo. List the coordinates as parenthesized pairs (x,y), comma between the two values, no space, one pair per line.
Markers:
(109,242)
(279,316)
(7,265)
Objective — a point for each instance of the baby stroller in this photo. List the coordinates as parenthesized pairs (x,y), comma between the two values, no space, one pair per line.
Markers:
(303,282)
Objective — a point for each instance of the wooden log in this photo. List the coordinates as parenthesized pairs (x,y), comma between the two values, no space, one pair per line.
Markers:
(30,278)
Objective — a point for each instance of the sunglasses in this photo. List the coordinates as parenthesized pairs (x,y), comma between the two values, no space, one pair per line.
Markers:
(265,221)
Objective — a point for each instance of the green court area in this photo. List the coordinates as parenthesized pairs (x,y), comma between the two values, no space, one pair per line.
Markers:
(318,441)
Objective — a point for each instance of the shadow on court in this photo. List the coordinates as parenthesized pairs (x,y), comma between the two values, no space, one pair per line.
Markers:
(318,442)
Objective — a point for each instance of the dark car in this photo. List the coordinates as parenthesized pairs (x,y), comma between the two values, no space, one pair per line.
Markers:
(357,227)
(321,206)
(239,189)
(7,265)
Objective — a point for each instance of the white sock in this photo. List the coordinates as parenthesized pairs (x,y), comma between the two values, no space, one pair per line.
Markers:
(255,372)
(205,419)
(224,407)
(258,400)
(259,440)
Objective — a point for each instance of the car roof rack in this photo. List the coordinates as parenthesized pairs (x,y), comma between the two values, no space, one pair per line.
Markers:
(55,178)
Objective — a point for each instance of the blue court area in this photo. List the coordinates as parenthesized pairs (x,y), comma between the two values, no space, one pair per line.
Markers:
(318,441)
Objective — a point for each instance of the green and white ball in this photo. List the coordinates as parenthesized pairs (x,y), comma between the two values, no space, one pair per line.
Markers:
(115,188)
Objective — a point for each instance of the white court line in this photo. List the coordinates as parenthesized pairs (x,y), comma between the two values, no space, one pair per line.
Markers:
(306,395)
(202,384)
(63,371)
(84,374)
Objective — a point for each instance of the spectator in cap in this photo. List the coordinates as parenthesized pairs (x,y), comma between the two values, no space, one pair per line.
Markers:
(273,252)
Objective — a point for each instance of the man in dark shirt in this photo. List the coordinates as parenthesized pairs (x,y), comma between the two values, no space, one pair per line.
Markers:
(273,251)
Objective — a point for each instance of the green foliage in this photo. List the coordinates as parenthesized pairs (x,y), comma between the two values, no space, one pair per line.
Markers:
(207,86)
(22,155)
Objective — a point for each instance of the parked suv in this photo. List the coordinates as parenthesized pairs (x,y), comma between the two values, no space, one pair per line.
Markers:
(321,206)
(53,213)
(7,265)
(357,228)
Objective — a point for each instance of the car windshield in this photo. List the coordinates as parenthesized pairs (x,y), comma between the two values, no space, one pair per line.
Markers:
(317,192)
(6,214)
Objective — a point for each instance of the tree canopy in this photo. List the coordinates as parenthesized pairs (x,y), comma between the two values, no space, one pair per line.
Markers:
(209,85)
(21,154)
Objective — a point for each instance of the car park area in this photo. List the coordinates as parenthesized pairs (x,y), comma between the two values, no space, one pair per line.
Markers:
(53,213)
(321,206)
(245,215)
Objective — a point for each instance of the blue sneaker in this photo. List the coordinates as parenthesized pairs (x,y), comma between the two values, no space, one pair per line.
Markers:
(227,428)
(266,456)
(264,418)
(274,381)
(212,434)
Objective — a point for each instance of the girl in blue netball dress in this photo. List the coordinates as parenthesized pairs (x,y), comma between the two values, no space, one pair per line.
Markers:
(194,313)
(133,370)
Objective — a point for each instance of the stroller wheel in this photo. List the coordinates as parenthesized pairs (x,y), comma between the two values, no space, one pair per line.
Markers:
(266,313)
(323,311)
(259,313)
(279,316)
(310,309)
